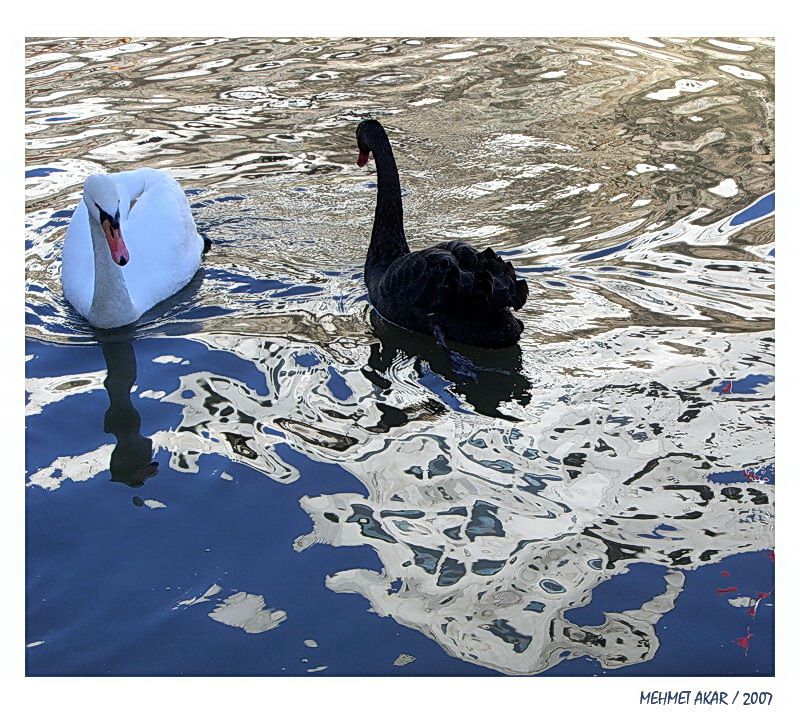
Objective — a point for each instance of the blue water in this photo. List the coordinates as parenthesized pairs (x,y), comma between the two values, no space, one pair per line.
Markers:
(702,630)
(762,207)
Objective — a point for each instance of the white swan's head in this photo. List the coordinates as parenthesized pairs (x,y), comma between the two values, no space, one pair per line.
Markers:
(103,203)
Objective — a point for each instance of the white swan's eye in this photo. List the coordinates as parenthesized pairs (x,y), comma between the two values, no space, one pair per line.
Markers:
(105,216)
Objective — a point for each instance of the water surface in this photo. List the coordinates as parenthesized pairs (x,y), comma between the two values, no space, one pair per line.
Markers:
(261,478)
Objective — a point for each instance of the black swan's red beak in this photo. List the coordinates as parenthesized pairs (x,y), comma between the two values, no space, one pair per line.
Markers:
(363,157)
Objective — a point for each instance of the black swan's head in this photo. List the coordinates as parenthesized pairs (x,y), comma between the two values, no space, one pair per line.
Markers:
(367,133)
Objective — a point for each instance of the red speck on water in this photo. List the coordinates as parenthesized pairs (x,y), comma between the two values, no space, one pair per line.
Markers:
(726,574)
(751,611)
(727,589)
(727,389)
(744,641)
(755,476)
(763,594)
(771,555)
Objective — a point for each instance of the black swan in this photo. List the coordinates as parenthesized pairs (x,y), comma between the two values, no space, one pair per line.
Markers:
(450,290)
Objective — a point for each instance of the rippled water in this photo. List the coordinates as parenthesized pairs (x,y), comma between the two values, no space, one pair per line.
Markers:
(260,478)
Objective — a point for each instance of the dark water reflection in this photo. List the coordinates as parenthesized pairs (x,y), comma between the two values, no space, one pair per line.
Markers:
(131,461)
(484,378)
(487,499)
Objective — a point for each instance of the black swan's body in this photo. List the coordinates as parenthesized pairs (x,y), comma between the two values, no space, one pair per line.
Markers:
(449,290)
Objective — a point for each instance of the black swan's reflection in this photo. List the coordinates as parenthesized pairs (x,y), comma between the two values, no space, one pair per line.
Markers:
(486,378)
(132,459)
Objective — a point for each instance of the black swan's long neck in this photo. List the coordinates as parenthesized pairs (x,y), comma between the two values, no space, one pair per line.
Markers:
(388,237)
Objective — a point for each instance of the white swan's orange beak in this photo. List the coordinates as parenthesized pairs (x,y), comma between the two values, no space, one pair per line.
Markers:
(116,244)
(363,158)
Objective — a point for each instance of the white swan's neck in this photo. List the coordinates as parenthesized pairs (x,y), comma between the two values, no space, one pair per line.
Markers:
(111,302)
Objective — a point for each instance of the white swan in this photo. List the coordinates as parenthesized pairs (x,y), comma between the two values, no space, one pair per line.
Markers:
(131,243)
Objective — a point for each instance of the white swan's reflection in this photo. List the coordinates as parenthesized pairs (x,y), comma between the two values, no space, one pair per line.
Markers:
(131,460)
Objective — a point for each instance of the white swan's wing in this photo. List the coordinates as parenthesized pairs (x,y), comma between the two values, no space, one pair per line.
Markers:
(165,249)
(77,261)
